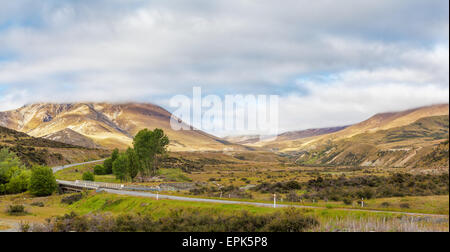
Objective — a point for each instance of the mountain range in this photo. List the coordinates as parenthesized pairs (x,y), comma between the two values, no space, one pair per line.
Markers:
(105,125)
(395,139)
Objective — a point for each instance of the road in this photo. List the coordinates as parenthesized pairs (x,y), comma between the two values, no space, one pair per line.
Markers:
(217,201)
(59,168)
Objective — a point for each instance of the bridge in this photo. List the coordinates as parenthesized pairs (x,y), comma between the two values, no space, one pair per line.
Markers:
(79,186)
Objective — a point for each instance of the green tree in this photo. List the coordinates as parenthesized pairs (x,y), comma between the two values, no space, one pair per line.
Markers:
(10,165)
(108,165)
(88,176)
(133,166)
(120,167)
(42,182)
(19,183)
(149,145)
(115,154)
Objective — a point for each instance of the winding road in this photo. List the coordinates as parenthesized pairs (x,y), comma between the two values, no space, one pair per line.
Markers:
(231,202)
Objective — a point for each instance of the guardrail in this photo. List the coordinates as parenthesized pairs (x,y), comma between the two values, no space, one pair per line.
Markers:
(100,184)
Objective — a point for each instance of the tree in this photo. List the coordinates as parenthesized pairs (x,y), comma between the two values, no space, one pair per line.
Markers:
(14,177)
(115,154)
(88,176)
(19,183)
(133,166)
(108,163)
(149,145)
(120,167)
(9,165)
(42,182)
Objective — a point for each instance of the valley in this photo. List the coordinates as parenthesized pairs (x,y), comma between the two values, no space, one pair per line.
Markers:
(392,166)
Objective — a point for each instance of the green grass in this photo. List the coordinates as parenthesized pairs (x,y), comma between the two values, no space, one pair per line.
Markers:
(174,175)
(116,204)
(76,173)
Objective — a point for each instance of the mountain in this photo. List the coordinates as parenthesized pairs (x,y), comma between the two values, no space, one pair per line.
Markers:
(412,146)
(294,135)
(390,120)
(378,122)
(290,135)
(40,151)
(105,125)
(72,137)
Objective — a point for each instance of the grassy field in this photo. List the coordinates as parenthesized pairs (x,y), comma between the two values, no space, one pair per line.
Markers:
(330,219)
(76,173)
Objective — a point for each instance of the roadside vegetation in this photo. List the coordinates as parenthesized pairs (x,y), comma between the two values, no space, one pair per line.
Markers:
(143,159)
(106,212)
(16,178)
(367,187)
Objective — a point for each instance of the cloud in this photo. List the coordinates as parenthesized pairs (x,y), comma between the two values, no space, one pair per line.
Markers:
(114,50)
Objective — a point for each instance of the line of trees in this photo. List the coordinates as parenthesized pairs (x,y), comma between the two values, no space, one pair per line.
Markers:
(148,148)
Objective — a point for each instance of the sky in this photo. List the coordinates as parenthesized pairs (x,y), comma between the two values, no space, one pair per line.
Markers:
(331,62)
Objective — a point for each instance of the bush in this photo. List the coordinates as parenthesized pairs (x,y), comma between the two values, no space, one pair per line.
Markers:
(38,204)
(385,204)
(100,170)
(72,198)
(19,183)
(42,182)
(405,206)
(288,220)
(347,201)
(88,176)
(16,210)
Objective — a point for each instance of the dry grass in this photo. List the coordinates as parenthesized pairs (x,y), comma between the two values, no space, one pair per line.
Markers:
(403,224)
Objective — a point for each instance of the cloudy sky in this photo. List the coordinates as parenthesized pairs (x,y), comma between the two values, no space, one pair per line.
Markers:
(331,62)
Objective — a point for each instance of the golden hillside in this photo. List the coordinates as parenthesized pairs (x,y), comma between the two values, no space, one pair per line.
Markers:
(107,125)
(40,151)
(379,122)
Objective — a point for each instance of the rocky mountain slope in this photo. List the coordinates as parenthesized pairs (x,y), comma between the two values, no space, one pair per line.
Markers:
(105,125)
(396,139)
(40,151)
(405,146)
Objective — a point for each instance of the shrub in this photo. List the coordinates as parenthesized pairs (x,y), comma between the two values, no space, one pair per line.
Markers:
(291,221)
(16,210)
(347,201)
(405,206)
(42,182)
(88,176)
(38,204)
(385,204)
(100,170)
(19,183)
(182,220)
(72,198)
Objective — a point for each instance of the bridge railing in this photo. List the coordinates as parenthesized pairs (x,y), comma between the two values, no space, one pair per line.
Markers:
(100,185)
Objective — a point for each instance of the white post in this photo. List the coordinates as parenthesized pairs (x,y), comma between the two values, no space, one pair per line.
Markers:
(157,196)
(362,202)
(274,201)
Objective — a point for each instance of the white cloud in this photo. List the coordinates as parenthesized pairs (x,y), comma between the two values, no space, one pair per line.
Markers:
(344,54)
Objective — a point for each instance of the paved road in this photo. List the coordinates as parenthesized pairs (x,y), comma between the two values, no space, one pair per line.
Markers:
(59,168)
(204,200)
